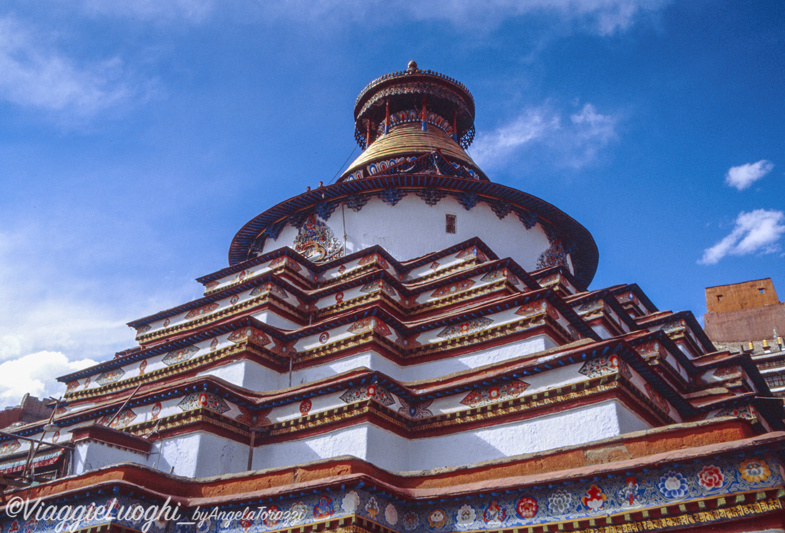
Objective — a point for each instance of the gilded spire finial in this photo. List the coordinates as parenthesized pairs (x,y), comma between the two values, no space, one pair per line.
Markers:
(412,65)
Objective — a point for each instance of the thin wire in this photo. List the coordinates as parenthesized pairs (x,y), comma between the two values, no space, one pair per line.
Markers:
(343,165)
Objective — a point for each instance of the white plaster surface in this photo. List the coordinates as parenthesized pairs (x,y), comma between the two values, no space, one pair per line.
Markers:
(412,228)
(253,376)
(390,451)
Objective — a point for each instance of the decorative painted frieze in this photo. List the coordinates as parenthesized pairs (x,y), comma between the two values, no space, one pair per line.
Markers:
(379,285)
(464,328)
(414,410)
(205,400)
(500,274)
(602,366)
(269,288)
(257,336)
(370,324)
(453,289)
(109,376)
(182,354)
(372,391)
(201,311)
(496,393)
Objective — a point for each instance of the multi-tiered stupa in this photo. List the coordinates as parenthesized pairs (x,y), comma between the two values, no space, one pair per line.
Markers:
(411,349)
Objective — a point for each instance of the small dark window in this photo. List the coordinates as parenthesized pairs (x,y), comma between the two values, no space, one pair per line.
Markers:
(450,224)
(761,290)
(719,297)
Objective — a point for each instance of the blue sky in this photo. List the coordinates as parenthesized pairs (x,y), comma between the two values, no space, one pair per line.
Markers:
(137,137)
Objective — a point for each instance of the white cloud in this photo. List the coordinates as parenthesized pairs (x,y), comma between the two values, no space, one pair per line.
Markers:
(36,373)
(604,17)
(756,232)
(36,74)
(576,140)
(743,176)
(194,11)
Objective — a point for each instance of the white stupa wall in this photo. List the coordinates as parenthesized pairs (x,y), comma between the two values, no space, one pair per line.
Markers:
(253,376)
(412,229)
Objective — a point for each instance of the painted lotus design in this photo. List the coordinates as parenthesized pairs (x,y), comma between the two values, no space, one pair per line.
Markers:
(527,507)
(711,477)
(466,516)
(559,502)
(755,470)
(350,502)
(410,521)
(673,485)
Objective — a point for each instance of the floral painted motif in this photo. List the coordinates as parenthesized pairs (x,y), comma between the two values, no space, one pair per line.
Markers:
(673,485)
(500,274)
(494,514)
(210,285)
(372,507)
(246,521)
(142,367)
(744,411)
(207,400)
(124,419)
(9,447)
(532,309)
(324,509)
(202,311)
(250,418)
(177,356)
(466,516)
(269,288)
(434,265)
(527,507)
(559,502)
(391,514)
(600,366)
(437,518)
(166,322)
(594,499)
(410,521)
(156,410)
(324,337)
(711,477)
(143,329)
(338,297)
(271,516)
(305,407)
(379,285)
(453,289)
(234,299)
(253,334)
(298,512)
(373,258)
(214,344)
(755,470)
(468,253)
(380,394)
(370,324)
(350,502)
(415,410)
(506,391)
(110,376)
(316,242)
(71,386)
(464,328)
